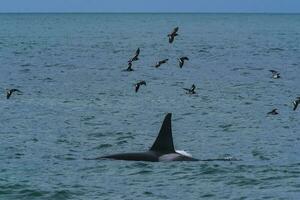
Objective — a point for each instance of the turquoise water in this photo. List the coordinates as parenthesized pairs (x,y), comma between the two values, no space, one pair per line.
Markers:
(77,103)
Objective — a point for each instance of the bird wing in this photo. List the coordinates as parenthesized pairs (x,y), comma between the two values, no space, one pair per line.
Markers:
(14,90)
(137,52)
(129,68)
(8,94)
(161,62)
(295,104)
(164,61)
(175,30)
(171,39)
(137,86)
(135,57)
(180,63)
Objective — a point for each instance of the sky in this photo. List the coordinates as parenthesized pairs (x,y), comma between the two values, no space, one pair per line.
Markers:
(264,6)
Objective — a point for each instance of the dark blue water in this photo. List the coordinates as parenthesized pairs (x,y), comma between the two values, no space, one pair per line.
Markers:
(77,103)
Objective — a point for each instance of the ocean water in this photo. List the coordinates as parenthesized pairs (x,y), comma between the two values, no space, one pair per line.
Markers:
(77,103)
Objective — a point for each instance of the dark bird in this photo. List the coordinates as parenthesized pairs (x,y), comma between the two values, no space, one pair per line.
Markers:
(275,74)
(136,56)
(296,103)
(129,68)
(9,92)
(181,61)
(173,35)
(190,90)
(137,86)
(273,112)
(161,62)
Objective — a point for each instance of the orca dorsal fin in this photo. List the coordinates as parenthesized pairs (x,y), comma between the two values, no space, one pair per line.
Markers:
(164,140)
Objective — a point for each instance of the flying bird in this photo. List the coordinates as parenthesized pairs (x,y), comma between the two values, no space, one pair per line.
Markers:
(296,103)
(181,61)
(9,92)
(275,74)
(190,90)
(137,85)
(273,112)
(136,56)
(161,62)
(173,35)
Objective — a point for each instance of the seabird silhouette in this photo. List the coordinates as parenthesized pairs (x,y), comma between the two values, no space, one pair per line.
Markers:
(296,103)
(275,74)
(181,61)
(273,112)
(9,92)
(190,90)
(137,85)
(173,35)
(161,62)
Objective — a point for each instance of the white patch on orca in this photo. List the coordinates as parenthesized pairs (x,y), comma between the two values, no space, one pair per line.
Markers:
(169,157)
(184,153)
(174,156)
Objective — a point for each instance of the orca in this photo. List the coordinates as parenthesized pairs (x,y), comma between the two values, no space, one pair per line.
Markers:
(161,150)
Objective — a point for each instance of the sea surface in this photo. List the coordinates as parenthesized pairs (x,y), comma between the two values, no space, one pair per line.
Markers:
(78,103)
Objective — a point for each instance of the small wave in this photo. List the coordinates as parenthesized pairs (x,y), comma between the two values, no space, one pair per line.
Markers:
(276,49)
(226,127)
(203,51)
(17,52)
(122,142)
(207,195)
(186,114)
(26,65)
(148,193)
(209,169)
(125,137)
(8,189)
(25,70)
(51,65)
(62,194)
(244,181)
(47,79)
(237,69)
(103,146)
(65,157)
(32,193)
(140,164)
(259,154)
(142,172)
(88,118)
(257,68)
